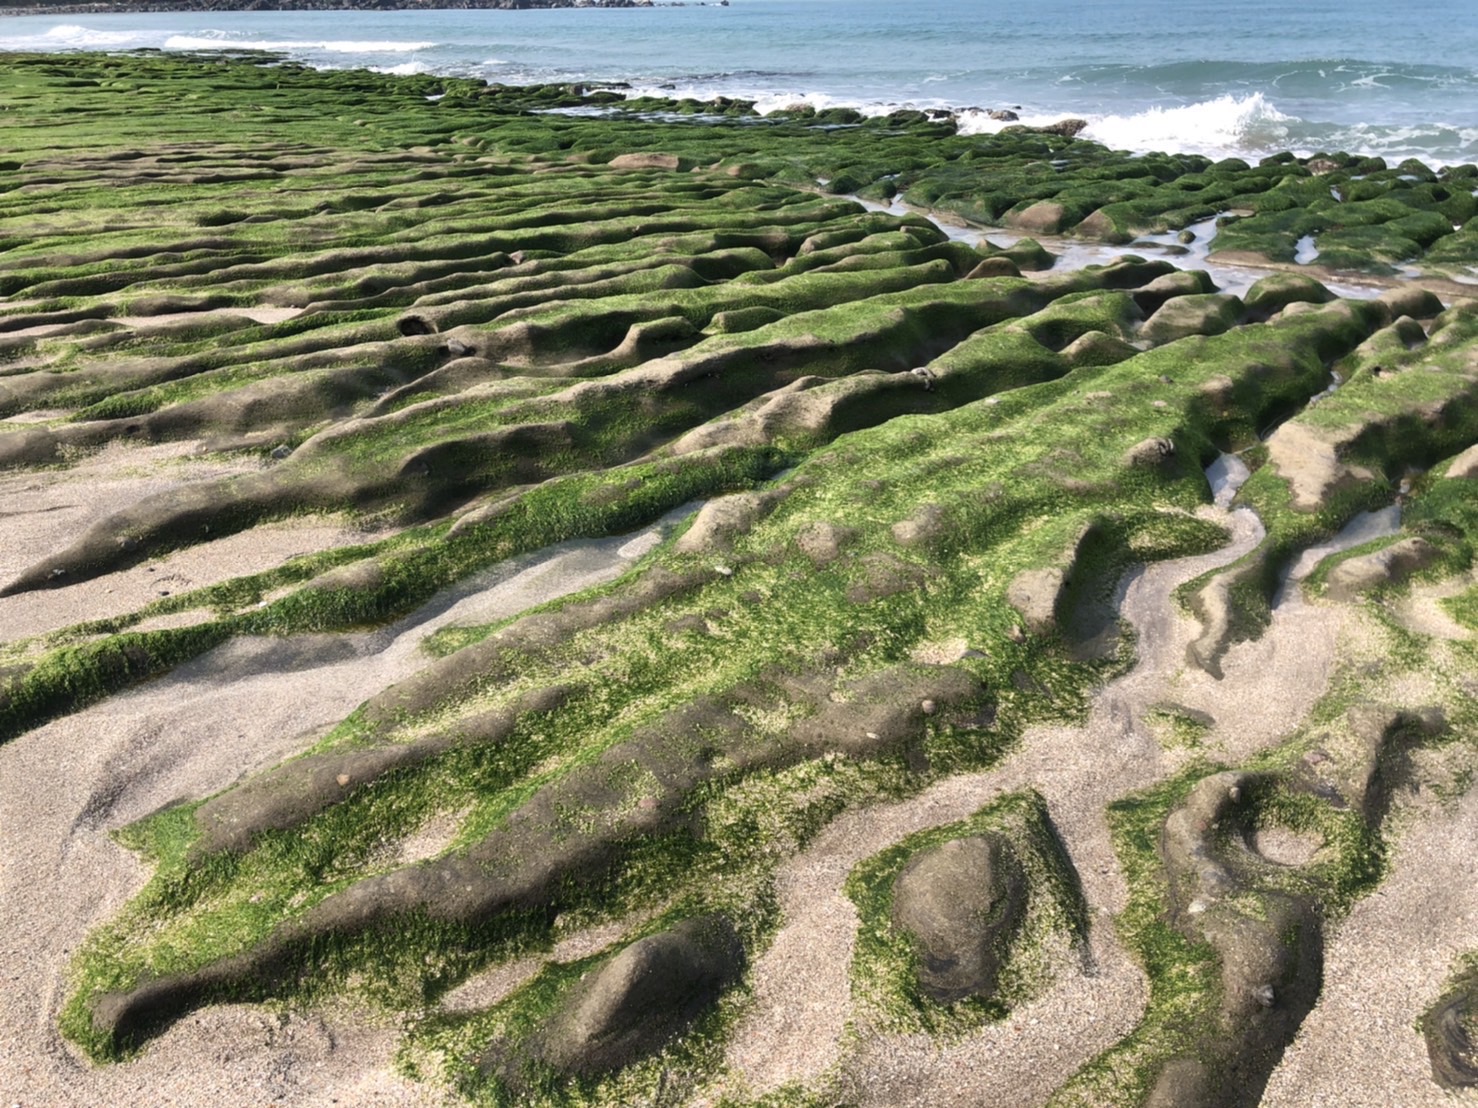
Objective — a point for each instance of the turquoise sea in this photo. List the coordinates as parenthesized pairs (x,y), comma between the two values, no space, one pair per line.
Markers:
(1243,77)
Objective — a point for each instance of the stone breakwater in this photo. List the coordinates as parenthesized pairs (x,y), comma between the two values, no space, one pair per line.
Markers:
(321,392)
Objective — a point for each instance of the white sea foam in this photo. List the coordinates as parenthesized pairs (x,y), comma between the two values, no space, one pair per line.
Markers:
(332,46)
(1216,128)
(404,69)
(75,37)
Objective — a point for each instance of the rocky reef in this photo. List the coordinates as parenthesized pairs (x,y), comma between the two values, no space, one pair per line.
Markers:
(540,598)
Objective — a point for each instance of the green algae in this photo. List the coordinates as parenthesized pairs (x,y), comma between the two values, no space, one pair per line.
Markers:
(468,270)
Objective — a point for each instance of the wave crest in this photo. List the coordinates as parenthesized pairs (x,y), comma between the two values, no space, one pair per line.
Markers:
(342,46)
(1211,127)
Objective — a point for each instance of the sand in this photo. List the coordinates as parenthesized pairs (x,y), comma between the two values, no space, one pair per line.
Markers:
(66,786)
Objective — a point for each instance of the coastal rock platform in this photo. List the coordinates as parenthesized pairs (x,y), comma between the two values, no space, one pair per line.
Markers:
(521,596)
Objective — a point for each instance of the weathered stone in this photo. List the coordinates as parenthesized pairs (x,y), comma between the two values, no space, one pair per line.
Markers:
(1045,217)
(1389,565)
(1310,463)
(823,541)
(725,518)
(1097,348)
(647,160)
(642,998)
(998,266)
(926,525)
(1150,453)
(961,903)
(1183,282)
(1276,291)
(1465,464)
(1412,300)
(1035,593)
(1203,314)
(1451,1031)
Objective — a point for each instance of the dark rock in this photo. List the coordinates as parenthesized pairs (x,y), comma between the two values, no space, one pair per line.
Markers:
(1451,1031)
(961,903)
(1067,128)
(1004,115)
(642,998)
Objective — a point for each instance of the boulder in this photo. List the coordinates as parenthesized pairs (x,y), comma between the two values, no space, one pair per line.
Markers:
(642,998)
(961,902)
(998,266)
(1045,217)
(1003,115)
(1067,128)
(1276,291)
(1183,282)
(927,525)
(1412,300)
(1201,314)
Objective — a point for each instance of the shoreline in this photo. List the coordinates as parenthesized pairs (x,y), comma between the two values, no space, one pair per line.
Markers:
(873,539)
(121,8)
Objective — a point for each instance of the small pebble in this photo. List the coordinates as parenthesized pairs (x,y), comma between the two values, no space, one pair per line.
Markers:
(343,779)
(928,707)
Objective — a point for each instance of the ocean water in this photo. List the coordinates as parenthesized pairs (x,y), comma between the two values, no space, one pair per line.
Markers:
(1220,77)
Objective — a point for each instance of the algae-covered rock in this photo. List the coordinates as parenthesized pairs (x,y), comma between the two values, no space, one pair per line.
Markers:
(1097,348)
(961,902)
(997,266)
(1199,314)
(1391,565)
(642,998)
(1046,217)
(1450,1028)
(1276,291)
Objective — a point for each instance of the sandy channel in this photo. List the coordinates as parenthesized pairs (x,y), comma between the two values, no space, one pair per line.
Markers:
(239,709)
